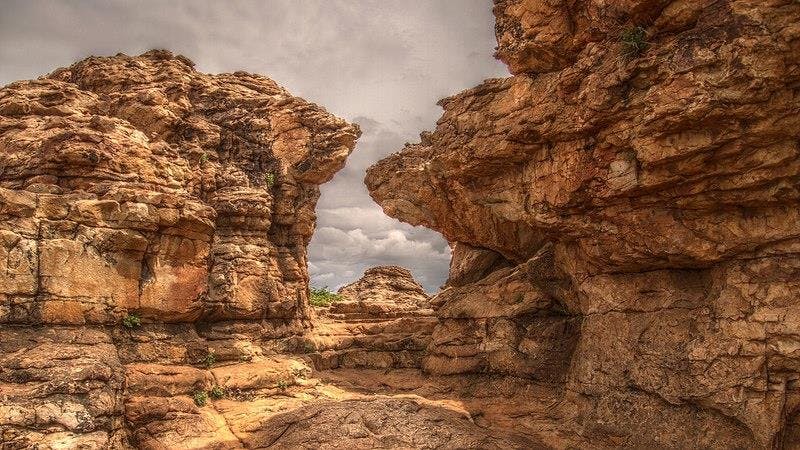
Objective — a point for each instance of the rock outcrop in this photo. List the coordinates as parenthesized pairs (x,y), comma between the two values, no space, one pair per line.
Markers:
(384,291)
(153,281)
(141,185)
(381,321)
(624,216)
(153,224)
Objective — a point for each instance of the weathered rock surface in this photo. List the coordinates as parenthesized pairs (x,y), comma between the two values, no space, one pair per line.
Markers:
(626,249)
(136,184)
(383,320)
(136,187)
(625,224)
(384,291)
(277,404)
(139,187)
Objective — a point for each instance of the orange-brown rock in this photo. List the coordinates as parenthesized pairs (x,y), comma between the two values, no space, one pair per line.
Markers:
(624,213)
(137,184)
(384,291)
(138,188)
(383,320)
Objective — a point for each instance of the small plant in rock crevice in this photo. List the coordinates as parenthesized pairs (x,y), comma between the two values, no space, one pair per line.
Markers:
(209,359)
(269,179)
(131,321)
(216,392)
(200,398)
(282,384)
(203,158)
(633,41)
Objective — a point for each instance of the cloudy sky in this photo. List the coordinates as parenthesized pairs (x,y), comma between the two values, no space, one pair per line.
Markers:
(380,63)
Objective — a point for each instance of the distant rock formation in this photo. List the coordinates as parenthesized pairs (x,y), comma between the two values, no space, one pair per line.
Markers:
(385,291)
(624,213)
(383,320)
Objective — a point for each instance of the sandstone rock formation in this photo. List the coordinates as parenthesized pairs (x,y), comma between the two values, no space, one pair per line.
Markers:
(384,291)
(622,213)
(382,320)
(153,283)
(141,185)
(624,217)
(137,190)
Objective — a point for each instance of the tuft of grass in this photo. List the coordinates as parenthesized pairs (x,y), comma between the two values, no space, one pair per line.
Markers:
(323,296)
(269,178)
(200,398)
(634,41)
(209,359)
(216,392)
(131,321)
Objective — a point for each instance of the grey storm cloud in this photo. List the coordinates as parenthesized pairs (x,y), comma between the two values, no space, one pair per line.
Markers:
(380,63)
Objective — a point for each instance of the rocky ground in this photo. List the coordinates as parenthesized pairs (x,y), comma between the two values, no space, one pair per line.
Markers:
(352,381)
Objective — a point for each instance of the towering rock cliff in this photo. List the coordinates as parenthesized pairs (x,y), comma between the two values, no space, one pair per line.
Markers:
(141,185)
(624,217)
(152,218)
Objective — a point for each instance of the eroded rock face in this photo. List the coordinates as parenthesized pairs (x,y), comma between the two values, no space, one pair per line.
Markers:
(383,291)
(139,186)
(625,223)
(510,322)
(382,321)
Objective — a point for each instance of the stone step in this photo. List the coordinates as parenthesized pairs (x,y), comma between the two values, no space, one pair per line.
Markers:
(360,358)
(351,317)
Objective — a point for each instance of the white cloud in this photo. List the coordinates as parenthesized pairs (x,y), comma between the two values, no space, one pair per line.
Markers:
(353,233)
(324,277)
(349,253)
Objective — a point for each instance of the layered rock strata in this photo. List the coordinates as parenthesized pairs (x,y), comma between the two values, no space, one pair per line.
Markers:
(383,320)
(153,223)
(623,212)
(141,185)
(383,291)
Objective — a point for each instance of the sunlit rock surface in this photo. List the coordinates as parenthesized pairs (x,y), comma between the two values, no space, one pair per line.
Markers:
(381,321)
(625,222)
(139,188)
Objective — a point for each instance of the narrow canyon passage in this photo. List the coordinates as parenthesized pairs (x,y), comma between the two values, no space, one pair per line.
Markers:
(154,284)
